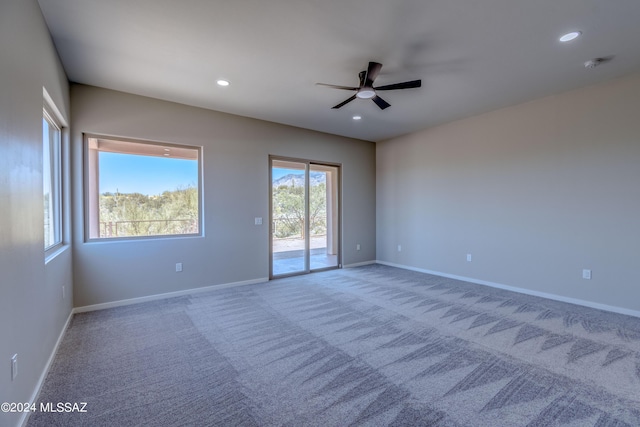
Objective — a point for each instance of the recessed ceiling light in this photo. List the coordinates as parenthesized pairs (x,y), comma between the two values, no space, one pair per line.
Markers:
(223,82)
(167,149)
(570,36)
(166,154)
(357,117)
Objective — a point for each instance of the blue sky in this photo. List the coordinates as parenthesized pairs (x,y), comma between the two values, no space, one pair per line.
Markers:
(149,175)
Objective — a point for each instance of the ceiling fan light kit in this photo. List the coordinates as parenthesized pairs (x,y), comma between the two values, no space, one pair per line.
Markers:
(366,90)
(366,93)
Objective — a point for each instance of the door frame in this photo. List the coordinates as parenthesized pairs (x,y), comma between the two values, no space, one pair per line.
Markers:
(307,251)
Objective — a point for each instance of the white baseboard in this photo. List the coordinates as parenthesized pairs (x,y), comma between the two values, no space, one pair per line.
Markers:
(36,392)
(156,297)
(22,422)
(360,264)
(585,303)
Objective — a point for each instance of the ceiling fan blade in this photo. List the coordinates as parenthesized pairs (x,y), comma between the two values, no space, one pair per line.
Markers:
(372,73)
(344,102)
(337,86)
(404,85)
(380,102)
(362,75)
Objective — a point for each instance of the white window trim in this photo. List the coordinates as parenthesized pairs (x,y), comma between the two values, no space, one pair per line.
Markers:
(53,116)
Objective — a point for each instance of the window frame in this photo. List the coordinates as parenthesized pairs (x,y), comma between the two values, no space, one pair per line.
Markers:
(91,184)
(51,116)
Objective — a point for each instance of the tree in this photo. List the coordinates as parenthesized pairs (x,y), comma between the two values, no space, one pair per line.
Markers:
(289,212)
(135,214)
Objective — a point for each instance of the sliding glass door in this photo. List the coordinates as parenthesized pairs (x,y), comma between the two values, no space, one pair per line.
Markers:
(323,216)
(305,216)
(289,245)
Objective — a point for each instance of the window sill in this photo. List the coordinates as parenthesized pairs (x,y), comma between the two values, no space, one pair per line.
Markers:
(53,253)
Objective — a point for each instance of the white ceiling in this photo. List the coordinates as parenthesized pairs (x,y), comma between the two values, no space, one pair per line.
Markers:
(472,56)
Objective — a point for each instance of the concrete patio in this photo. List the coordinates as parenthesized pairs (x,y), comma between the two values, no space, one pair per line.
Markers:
(288,255)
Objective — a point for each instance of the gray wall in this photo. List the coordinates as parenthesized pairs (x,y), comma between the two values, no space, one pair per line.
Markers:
(236,151)
(32,310)
(535,192)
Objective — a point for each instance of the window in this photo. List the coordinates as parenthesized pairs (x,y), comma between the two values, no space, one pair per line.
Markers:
(52,177)
(137,189)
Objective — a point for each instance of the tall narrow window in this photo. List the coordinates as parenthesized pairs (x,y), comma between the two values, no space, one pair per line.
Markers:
(52,176)
(141,189)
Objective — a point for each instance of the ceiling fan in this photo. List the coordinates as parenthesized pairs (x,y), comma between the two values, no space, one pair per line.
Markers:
(366,89)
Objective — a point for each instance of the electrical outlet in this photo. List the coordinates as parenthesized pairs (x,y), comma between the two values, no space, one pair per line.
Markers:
(469,257)
(586,274)
(399,248)
(14,367)
(358,247)
(178,267)
(258,221)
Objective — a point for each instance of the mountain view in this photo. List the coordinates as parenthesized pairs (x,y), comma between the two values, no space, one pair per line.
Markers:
(297,180)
